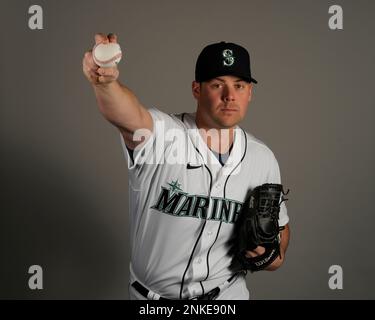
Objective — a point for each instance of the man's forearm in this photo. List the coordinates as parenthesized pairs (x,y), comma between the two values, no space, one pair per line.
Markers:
(284,241)
(119,105)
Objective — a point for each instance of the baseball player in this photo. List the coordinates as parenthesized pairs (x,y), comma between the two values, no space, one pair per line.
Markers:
(189,176)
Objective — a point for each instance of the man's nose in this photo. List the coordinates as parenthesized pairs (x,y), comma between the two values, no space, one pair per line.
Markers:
(228,94)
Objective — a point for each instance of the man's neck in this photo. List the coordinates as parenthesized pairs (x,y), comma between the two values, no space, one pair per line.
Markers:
(217,139)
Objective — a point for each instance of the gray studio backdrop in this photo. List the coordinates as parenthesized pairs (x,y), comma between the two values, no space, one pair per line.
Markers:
(64,195)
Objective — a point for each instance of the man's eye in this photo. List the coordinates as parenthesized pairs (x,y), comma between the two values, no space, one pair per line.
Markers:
(240,86)
(216,85)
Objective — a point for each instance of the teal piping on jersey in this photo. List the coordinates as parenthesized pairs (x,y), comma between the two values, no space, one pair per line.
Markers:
(217,234)
(204,224)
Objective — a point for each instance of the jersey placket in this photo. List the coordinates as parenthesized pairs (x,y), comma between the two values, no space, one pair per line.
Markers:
(200,264)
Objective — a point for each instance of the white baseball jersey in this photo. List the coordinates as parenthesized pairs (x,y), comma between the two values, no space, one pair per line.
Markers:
(183,205)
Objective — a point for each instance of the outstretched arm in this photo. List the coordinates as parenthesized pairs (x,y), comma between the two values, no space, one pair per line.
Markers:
(117,103)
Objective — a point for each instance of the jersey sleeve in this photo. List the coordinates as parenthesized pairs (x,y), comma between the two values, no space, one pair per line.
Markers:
(145,157)
(275,177)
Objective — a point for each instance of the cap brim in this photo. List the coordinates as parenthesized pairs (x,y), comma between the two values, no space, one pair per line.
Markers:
(247,79)
(212,76)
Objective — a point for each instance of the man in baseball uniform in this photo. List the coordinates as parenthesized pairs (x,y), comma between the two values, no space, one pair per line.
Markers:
(189,175)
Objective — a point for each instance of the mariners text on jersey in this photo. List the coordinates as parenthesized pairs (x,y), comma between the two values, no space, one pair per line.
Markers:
(182,204)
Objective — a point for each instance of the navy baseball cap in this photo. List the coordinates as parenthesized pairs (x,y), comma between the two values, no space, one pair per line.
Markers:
(221,59)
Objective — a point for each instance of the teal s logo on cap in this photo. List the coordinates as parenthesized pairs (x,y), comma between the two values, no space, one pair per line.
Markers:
(228,57)
(221,59)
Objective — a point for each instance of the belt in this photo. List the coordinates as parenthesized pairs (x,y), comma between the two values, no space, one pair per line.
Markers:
(150,295)
(210,295)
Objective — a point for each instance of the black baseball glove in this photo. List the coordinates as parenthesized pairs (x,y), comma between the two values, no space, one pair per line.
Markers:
(258,225)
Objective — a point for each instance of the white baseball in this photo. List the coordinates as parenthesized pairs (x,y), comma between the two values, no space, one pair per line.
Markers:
(107,54)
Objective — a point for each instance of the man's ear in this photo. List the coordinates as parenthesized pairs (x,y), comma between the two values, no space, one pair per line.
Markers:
(196,89)
(251,91)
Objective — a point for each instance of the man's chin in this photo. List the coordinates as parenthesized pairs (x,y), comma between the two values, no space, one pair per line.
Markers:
(228,123)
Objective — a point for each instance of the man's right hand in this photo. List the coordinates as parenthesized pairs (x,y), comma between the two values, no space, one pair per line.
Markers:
(99,76)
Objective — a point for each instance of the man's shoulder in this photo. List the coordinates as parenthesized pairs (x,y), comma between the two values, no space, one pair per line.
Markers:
(254,144)
(184,117)
(176,118)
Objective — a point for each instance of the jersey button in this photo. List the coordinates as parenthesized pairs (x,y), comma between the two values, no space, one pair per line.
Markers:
(209,233)
(218,186)
(199,260)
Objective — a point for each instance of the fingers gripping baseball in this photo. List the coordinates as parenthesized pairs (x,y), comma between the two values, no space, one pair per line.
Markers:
(107,75)
(107,71)
(101,38)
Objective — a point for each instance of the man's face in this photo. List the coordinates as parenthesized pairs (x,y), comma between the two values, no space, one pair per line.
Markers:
(222,101)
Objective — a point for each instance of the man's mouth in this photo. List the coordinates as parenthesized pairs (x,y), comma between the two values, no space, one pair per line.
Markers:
(229,109)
